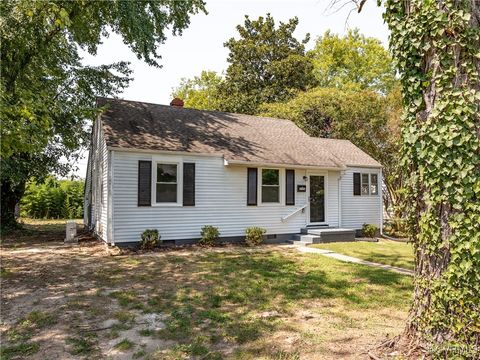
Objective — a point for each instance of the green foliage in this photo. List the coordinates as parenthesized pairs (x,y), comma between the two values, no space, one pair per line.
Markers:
(436,48)
(150,239)
(353,61)
(47,94)
(366,118)
(254,235)
(19,351)
(201,92)
(209,235)
(53,199)
(266,64)
(124,345)
(369,230)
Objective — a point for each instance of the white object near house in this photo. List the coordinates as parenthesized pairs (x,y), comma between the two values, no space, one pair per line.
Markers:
(174,169)
(71,232)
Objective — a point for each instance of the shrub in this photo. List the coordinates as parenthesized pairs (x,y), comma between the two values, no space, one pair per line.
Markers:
(53,199)
(150,239)
(209,234)
(369,230)
(254,235)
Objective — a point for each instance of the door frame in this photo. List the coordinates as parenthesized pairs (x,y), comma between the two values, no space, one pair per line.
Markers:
(325,198)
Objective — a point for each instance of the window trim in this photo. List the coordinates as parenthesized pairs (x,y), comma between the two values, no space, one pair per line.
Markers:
(281,187)
(179,183)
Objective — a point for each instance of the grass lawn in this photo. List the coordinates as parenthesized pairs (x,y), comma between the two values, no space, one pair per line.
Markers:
(384,252)
(268,302)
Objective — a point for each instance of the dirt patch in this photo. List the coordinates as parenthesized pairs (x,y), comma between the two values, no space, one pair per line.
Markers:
(92,301)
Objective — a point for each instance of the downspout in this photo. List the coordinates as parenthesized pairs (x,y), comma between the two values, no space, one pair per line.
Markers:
(381,202)
(339,190)
(110,217)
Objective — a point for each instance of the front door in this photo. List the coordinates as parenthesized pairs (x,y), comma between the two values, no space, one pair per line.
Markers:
(317,199)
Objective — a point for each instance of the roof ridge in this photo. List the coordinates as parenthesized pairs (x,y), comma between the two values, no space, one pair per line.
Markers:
(194,109)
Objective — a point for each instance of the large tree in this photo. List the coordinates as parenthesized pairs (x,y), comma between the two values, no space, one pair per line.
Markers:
(368,119)
(266,64)
(46,91)
(201,92)
(353,61)
(436,46)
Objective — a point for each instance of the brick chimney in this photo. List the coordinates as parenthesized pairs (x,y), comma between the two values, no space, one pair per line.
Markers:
(176,102)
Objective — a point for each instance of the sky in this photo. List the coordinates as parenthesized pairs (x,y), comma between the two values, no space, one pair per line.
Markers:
(201,45)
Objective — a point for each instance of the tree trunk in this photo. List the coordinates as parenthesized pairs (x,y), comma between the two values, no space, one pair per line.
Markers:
(11,195)
(436,45)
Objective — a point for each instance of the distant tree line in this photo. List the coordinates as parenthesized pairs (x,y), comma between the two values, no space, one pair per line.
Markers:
(345,87)
(53,199)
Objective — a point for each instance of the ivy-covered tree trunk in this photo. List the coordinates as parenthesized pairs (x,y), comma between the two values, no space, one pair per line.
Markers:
(436,45)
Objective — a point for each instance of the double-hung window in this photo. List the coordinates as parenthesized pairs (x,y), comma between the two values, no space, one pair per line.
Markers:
(365,184)
(373,184)
(166,183)
(270,186)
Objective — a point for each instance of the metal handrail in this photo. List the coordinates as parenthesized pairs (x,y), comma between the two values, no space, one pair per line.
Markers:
(294,212)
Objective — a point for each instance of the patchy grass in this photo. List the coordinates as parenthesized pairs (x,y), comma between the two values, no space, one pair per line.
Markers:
(18,350)
(268,302)
(83,345)
(384,252)
(124,345)
(46,225)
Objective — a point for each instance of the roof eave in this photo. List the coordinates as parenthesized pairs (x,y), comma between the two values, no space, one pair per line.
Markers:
(280,165)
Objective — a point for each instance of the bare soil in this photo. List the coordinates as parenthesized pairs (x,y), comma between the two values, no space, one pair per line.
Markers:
(92,301)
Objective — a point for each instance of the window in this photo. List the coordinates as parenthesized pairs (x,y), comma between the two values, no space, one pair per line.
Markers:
(166,185)
(373,184)
(270,186)
(365,185)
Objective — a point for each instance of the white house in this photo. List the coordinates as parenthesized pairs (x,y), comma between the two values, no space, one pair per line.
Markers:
(176,169)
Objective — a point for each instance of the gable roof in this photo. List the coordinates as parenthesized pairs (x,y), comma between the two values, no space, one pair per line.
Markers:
(239,138)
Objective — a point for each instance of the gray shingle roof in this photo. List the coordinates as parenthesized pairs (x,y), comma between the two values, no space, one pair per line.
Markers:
(239,138)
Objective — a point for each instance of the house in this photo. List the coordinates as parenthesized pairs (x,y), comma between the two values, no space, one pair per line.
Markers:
(176,169)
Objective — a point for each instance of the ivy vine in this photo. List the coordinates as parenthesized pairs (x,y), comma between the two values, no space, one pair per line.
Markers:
(436,46)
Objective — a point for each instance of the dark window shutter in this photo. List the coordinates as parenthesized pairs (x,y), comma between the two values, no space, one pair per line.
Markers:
(290,187)
(144,183)
(188,184)
(252,186)
(356,184)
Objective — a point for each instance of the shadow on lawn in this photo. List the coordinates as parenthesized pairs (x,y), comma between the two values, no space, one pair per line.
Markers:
(210,297)
(390,259)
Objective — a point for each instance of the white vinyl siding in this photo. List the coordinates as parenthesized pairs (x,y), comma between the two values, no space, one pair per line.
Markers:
(220,200)
(358,210)
(97,183)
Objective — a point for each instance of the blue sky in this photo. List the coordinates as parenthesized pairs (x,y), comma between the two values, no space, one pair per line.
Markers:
(201,45)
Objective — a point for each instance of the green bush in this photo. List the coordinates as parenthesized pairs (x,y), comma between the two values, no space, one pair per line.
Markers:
(254,235)
(369,230)
(209,234)
(53,199)
(150,239)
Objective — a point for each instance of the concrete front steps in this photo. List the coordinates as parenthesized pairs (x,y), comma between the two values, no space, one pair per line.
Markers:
(319,235)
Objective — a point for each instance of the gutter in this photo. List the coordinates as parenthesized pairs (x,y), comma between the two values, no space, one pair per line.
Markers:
(266,164)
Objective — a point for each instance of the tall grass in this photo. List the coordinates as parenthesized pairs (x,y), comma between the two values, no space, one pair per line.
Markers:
(53,199)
